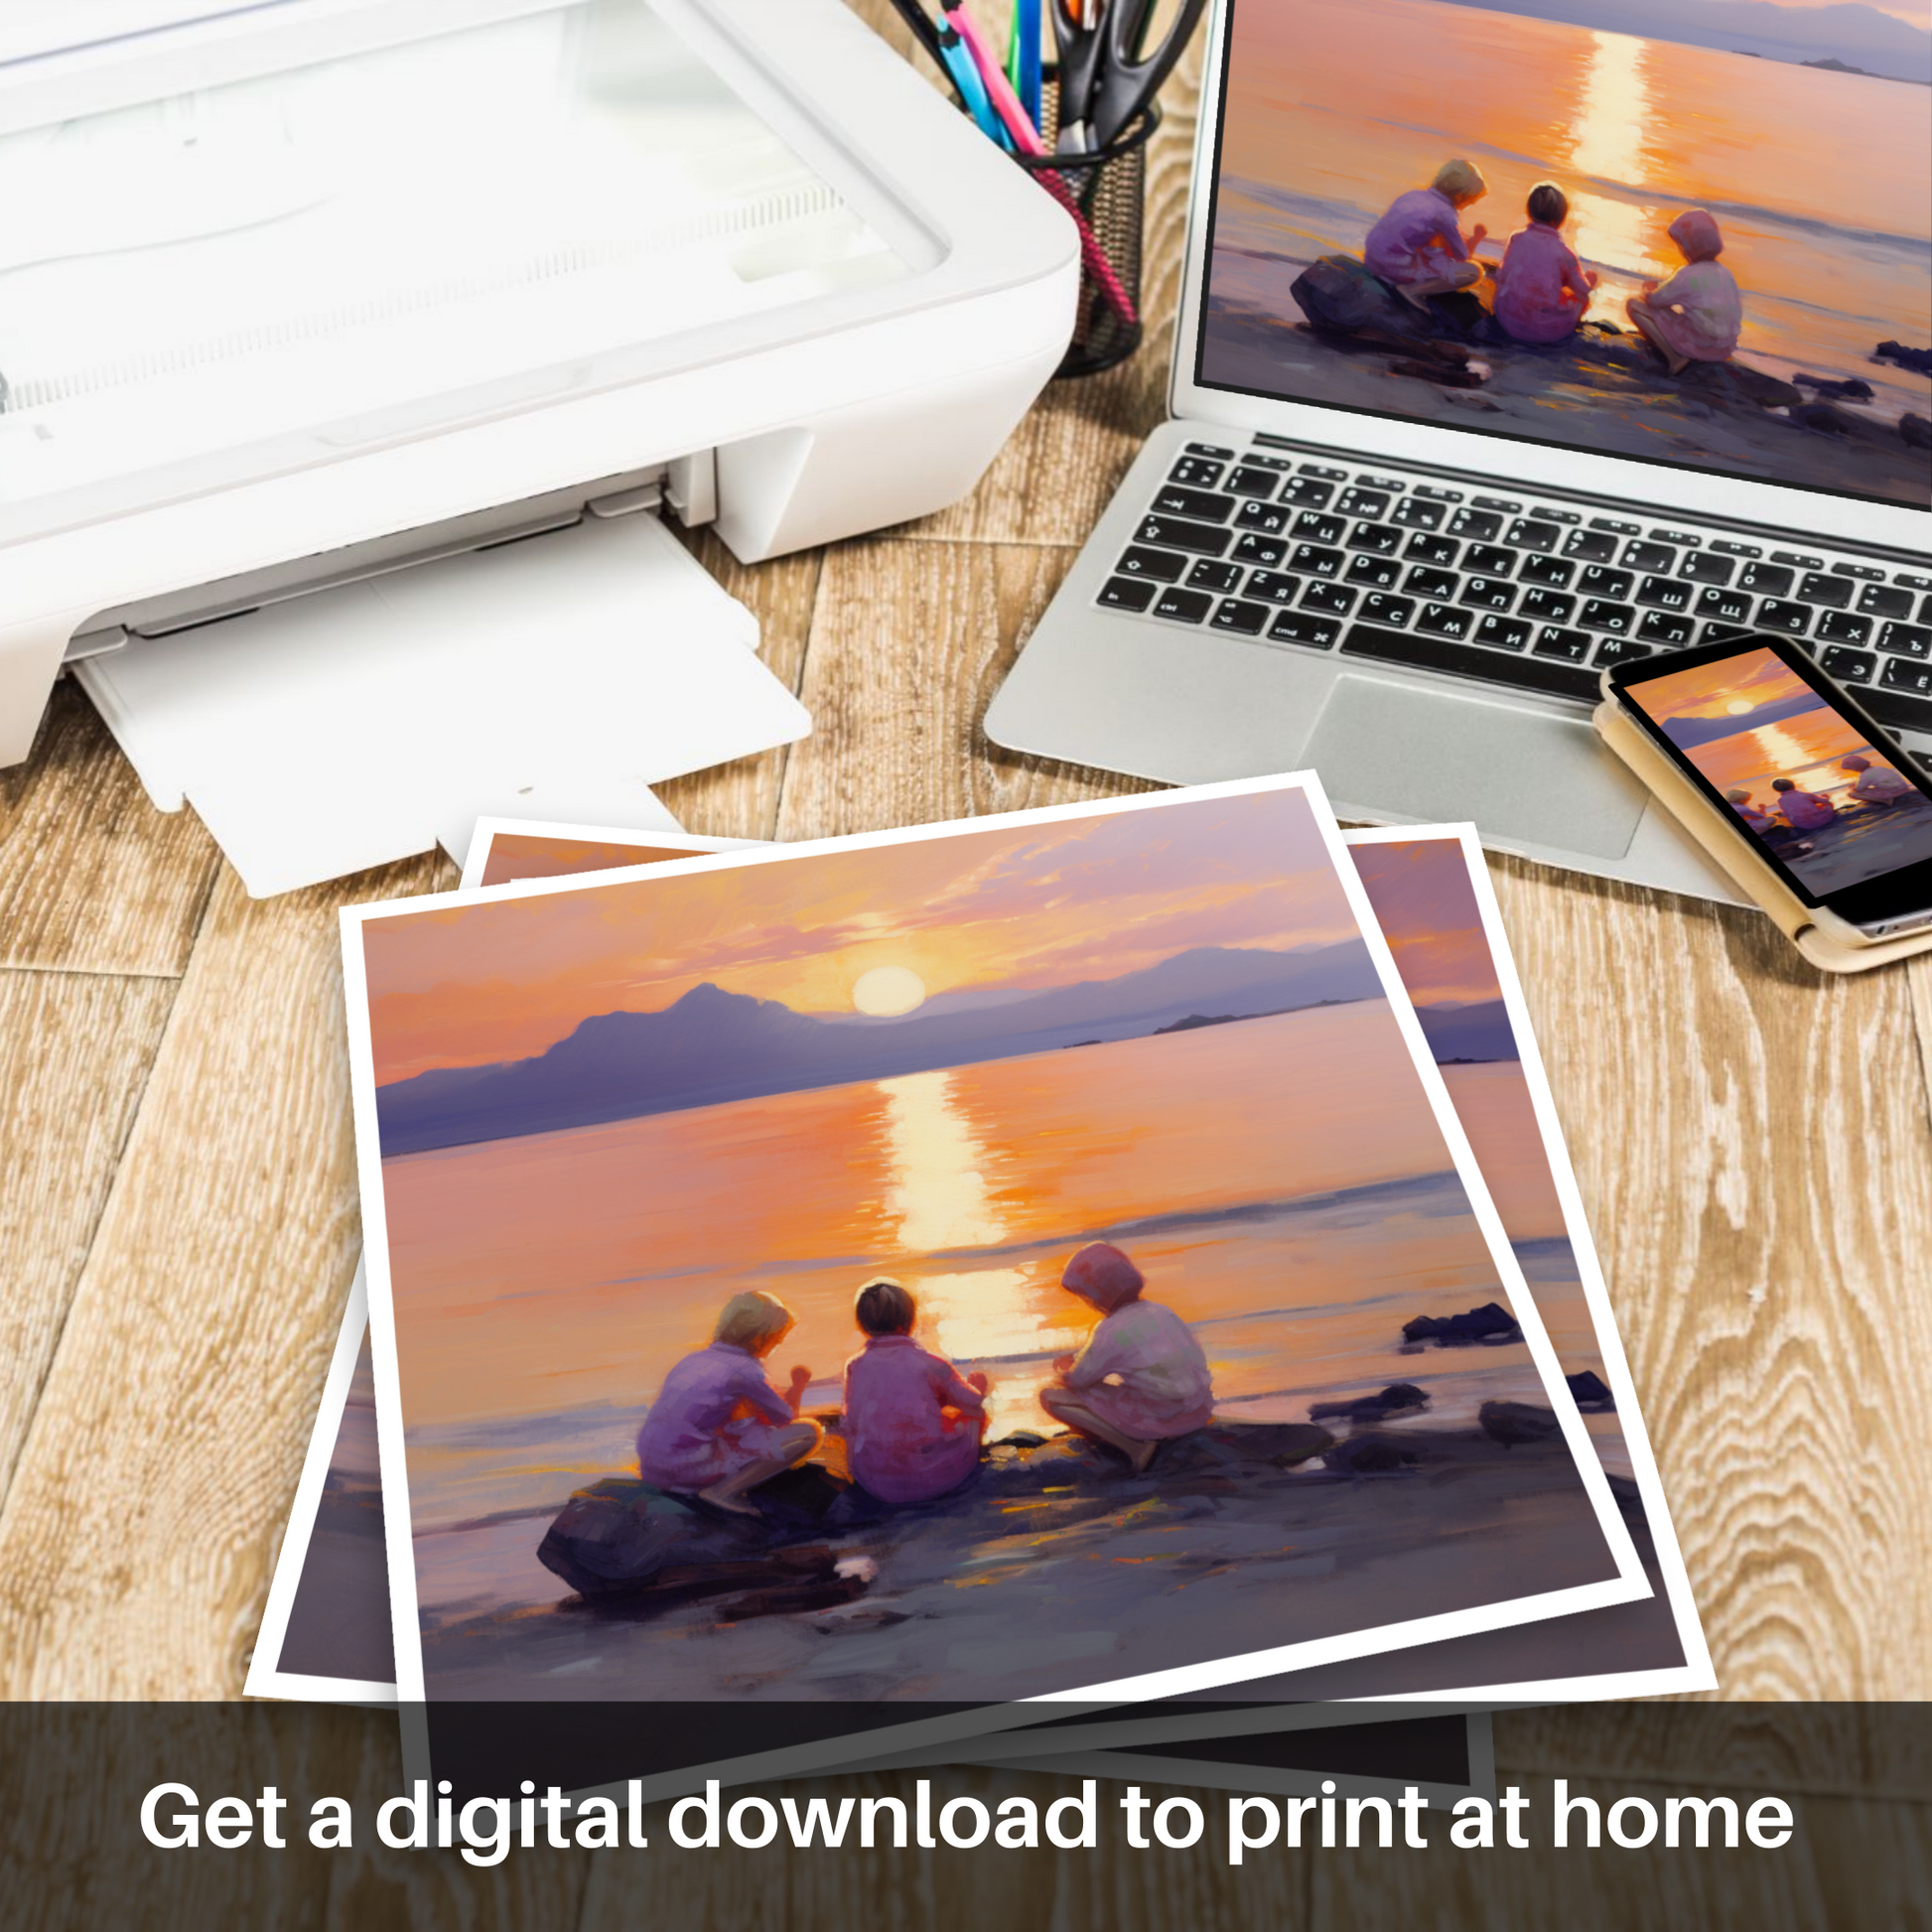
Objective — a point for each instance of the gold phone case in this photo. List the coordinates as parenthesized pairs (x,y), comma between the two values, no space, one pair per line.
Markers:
(1759,883)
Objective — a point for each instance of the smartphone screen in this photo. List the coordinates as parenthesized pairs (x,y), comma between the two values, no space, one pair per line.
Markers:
(1835,805)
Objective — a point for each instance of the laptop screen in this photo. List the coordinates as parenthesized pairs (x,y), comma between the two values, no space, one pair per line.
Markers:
(1642,228)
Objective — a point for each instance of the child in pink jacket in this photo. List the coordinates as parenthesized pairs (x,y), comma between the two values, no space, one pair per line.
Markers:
(1697,315)
(1541,289)
(1418,247)
(913,1426)
(1141,1378)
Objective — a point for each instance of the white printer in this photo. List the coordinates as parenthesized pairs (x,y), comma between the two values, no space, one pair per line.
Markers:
(310,310)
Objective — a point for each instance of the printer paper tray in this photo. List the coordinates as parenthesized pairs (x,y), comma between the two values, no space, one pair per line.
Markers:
(557,677)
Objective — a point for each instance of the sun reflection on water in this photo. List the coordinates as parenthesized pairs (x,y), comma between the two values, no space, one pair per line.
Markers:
(1608,141)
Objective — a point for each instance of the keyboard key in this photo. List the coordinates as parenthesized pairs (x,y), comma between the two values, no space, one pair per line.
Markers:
(1780,614)
(1126,593)
(1177,533)
(1390,484)
(1554,642)
(1532,533)
(1439,653)
(1234,614)
(1865,573)
(1901,674)
(1925,611)
(1590,546)
(1700,567)
(1907,640)
(1726,607)
(1675,536)
(1314,561)
(1393,611)
(1503,633)
(1666,627)
(1840,628)
(1552,571)
(1171,499)
(1270,518)
(1211,449)
(1730,549)
(1431,583)
(1196,472)
(1364,503)
(1876,600)
(1382,538)
(1598,582)
(1910,582)
(1185,607)
(1648,556)
(1480,524)
(1317,528)
(1378,572)
(1848,666)
(1208,574)
(1599,614)
(1506,504)
(1766,579)
(1620,651)
(1426,549)
(1547,607)
(1161,565)
(1445,620)
(1548,515)
(1301,627)
(1486,594)
(1724,633)
(1281,464)
(1440,495)
(1307,492)
(1489,559)
(1418,513)
(1276,586)
(1615,526)
(1247,480)
(1798,559)
(1331,598)
(1324,471)
(1253,549)
(1896,709)
(1833,593)
(1664,593)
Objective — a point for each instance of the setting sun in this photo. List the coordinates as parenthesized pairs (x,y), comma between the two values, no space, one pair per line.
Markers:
(887,991)
(1738,706)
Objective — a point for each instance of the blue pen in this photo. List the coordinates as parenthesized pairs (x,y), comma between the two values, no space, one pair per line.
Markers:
(965,77)
(1026,80)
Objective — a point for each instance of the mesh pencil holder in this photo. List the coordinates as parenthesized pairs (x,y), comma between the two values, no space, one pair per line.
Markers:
(1106,193)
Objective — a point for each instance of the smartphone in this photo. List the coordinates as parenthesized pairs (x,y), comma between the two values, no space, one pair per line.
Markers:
(1812,787)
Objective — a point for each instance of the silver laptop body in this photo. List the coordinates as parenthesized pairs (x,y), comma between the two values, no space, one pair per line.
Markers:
(1416,709)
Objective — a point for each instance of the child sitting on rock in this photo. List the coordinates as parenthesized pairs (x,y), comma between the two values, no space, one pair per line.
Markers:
(1804,811)
(1141,1378)
(1877,785)
(1541,289)
(718,1427)
(1697,315)
(912,1427)
(1418,248)
(1755,817)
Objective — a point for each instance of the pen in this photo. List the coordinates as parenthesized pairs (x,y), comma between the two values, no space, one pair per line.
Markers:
(1023,57)
(959,60)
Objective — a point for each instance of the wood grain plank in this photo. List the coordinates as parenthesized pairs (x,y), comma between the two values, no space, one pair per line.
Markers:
(740,800)
(92,877)
(136,1538)
(74,1055)
(1851,1866)
(1759,1182)
(908,643)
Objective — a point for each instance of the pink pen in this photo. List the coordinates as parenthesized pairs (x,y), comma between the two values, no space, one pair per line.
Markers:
(1026,138)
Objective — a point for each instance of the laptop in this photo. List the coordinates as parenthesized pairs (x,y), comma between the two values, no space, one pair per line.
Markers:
(1390,538)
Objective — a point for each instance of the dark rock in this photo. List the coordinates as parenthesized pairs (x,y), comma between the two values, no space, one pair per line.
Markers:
(1367,1456)
(1489,1324)
(1590,1391)
(1511,1422)
(1338,294)
(1398,1399)
(1829,418)
(1437,372)
(1464,400)
(1918,360)
(1917,431)
(1461,314)
(1736,381)
(1836,388)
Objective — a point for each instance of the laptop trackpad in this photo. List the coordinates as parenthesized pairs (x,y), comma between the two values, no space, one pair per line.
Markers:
(1433,756)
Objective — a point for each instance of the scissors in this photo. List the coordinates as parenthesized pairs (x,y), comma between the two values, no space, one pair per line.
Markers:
(1107,76)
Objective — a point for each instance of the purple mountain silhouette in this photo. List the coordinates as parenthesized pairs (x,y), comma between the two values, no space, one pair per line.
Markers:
(1685,733)
(711,1046)
(1478,1030)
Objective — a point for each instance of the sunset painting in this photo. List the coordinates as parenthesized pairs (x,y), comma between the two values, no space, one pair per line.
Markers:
(1728,263)
(971,1266)
(1795,772)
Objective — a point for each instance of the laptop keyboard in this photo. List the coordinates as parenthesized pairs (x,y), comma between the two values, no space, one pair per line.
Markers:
(1531,595)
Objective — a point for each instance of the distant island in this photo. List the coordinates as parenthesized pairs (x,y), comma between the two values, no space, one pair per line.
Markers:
(1197,1019)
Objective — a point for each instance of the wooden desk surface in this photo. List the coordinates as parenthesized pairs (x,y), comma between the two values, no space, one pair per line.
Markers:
(178,1219)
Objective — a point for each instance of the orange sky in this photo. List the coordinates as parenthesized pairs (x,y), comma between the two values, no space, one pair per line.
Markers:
(1428,913)
(527,855)
(1031,907)
(1760,678)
